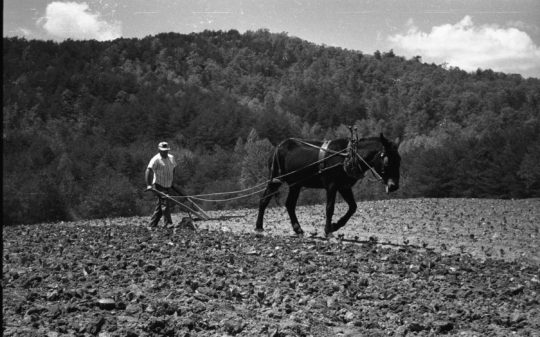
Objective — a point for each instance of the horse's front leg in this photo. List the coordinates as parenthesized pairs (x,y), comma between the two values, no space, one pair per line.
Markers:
(330,204)
(348,196)
(292,198)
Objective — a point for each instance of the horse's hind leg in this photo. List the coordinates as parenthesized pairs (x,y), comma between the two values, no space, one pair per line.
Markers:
(270,191)
(292,198)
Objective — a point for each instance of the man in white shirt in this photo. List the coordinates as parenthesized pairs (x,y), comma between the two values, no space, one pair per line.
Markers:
(159,175)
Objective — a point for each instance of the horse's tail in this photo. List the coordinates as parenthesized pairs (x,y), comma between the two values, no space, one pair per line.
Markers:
(275,173)
(274,166)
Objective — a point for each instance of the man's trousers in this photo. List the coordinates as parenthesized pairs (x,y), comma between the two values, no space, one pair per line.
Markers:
(163,207)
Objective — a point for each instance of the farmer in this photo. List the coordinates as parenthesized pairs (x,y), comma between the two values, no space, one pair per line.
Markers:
(159,175)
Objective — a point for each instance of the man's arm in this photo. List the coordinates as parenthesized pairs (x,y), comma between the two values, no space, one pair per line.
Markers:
(149,177)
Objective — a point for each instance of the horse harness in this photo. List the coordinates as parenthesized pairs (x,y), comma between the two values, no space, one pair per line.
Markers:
(350,164)
(322,155)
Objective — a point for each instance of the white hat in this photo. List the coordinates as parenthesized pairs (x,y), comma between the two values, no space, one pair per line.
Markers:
(164,146)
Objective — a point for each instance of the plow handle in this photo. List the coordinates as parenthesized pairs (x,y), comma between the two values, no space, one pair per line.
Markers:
(198,212)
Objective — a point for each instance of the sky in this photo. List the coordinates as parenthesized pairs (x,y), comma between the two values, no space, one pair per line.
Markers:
(502,35)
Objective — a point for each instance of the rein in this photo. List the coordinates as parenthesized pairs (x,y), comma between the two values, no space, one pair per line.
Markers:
(347,152)
(341,153)
(373,171)
(344,154)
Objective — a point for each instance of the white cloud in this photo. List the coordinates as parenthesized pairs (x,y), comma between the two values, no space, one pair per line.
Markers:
(22,31)
(73,20)
(470,47)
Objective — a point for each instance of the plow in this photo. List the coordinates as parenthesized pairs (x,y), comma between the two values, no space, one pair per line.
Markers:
(194,209)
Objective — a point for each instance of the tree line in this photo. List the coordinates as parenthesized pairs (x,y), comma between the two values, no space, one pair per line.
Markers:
(81,119)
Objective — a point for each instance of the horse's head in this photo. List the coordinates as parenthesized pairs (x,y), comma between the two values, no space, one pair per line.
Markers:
(387,164)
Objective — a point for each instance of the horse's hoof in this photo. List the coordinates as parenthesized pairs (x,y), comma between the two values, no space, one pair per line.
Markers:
(259,229)
(297,229)
(331,229)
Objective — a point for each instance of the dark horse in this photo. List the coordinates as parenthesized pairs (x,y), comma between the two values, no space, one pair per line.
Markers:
(335,166)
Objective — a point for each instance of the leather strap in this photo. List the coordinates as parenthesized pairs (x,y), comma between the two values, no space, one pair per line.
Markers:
(322,154)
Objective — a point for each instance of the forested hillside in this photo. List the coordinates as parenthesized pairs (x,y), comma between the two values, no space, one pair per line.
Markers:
(81,119)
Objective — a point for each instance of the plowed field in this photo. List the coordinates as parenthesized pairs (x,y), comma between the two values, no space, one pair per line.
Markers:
(418,267)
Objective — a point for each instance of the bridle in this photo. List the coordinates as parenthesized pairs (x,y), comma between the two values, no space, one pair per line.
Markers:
(353,145)
(381,154)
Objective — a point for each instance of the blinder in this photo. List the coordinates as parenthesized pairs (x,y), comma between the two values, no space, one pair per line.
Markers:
(385,162)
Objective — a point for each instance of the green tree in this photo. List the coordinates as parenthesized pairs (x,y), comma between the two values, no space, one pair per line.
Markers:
(529,169)
(255,162)
(110,195)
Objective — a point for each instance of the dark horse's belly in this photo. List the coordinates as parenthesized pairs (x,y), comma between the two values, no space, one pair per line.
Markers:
(314,182)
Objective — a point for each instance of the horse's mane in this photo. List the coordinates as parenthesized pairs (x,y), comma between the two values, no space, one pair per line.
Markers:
(366,141)
(370,139)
